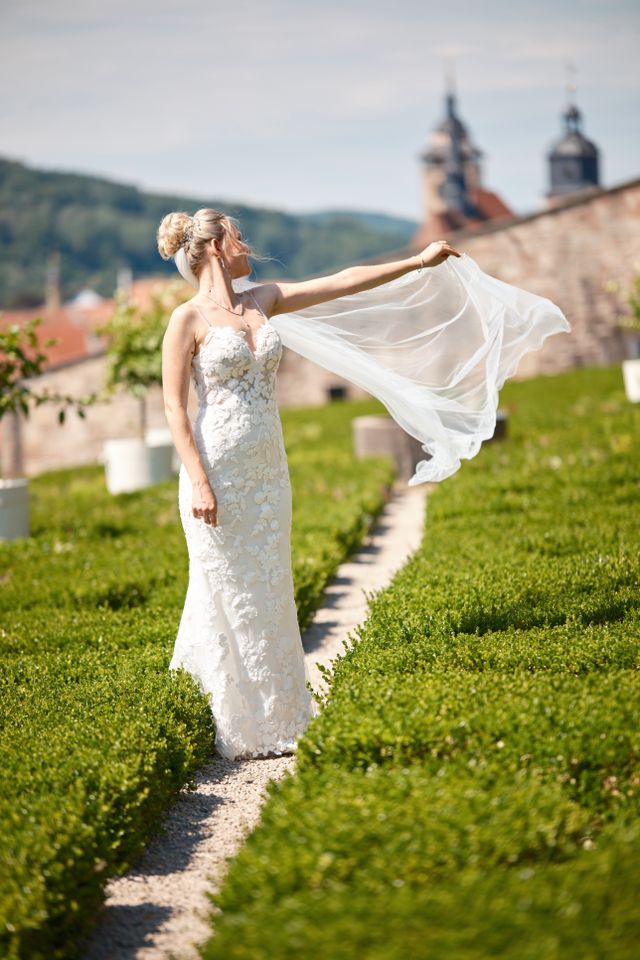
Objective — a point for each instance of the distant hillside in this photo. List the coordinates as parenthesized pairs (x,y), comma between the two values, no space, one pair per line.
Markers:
(380,222)
(99,225)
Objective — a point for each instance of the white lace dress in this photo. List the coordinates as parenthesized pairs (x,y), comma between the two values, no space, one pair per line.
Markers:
(238,634)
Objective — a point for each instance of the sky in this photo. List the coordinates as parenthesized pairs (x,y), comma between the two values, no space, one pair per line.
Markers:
(301,106)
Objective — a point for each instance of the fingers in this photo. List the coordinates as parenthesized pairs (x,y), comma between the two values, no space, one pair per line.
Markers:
(209,516)
(448,249)
(441,250)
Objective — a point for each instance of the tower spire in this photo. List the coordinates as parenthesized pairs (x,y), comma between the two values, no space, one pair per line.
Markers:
(573,160)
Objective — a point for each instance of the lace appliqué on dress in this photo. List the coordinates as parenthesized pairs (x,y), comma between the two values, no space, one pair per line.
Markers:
(239,634)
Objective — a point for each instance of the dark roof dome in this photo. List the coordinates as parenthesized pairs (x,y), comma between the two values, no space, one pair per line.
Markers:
(573,143)
(573,160)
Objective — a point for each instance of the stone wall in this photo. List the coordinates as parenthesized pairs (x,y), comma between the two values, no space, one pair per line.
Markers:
(48,445)
(566,254)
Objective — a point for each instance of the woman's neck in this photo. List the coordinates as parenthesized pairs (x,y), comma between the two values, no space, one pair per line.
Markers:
(215,281)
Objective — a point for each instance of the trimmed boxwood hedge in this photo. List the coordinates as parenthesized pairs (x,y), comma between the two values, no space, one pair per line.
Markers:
(471,788)
(97,736)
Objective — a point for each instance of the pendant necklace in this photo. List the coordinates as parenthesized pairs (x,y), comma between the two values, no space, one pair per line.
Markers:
(229,310)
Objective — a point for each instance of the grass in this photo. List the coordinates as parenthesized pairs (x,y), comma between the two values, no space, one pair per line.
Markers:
(471,788)
(98,737)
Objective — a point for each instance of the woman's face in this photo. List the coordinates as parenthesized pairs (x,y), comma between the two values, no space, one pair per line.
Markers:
(236,254)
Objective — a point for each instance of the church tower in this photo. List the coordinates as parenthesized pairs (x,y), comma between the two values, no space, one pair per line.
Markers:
(452,190)
(573,160)
(449,158)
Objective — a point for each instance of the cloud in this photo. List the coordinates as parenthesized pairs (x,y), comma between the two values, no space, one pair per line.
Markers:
(148,86)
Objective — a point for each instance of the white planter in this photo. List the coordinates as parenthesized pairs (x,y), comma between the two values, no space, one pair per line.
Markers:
(14,508)
(126,465)
(631,377)
(162,454)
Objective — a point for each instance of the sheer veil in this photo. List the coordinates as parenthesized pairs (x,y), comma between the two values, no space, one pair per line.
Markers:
(434,347)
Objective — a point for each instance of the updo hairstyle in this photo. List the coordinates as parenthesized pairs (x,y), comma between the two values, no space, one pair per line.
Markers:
(180,230)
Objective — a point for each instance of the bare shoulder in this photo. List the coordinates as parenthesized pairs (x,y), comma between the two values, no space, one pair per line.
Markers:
(266,295)
(185,315)
(183,312)
(182,325)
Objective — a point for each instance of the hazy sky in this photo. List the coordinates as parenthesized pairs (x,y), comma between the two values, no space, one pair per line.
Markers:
(303,106)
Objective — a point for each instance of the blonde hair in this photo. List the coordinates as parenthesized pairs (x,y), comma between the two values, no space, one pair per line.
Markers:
(178,229)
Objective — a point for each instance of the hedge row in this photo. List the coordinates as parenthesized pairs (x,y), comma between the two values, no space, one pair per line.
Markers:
(98,737)
(471,788)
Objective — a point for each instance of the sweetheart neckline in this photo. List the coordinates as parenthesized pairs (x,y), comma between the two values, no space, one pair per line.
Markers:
(240,333)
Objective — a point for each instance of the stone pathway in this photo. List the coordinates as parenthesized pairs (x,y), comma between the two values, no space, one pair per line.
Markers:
(159,909)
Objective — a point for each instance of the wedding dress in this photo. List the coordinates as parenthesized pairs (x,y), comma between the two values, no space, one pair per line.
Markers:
(435,348)
(239,634)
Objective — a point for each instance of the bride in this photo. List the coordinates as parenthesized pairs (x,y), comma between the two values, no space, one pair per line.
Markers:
(238,635)
(432,336)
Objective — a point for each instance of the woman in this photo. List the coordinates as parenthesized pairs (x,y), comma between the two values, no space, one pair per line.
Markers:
(238,634)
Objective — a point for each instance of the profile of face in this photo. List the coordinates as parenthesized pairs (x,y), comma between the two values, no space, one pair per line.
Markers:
(235,253)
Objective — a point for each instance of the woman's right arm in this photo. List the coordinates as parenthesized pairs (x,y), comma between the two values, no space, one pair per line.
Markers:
(289,297)
(178,347)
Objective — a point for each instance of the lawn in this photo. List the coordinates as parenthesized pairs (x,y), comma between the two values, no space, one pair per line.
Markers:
(98,737)
(471,788)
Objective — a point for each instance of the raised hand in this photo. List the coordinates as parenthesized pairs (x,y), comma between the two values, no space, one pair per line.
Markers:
(436,252)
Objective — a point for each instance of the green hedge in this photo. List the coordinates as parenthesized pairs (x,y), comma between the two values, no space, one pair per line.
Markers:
(471,788)
(93,751)
(98,736)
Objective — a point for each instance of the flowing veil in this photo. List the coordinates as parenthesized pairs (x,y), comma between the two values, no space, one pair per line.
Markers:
(434,347)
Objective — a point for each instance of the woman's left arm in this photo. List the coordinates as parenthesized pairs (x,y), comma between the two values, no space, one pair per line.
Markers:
(280,297)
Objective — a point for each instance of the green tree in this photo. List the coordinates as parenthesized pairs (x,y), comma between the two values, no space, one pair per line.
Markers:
(134,343)
(631,296)
(21,358)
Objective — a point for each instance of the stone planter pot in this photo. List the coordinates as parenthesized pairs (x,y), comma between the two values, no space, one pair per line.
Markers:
(14,508)
(126,465)
(631,378)
(380,435)
(377,435)
(500,432)
(162,454)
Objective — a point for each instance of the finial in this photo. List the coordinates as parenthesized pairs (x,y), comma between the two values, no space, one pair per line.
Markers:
(449,75)
(570,85)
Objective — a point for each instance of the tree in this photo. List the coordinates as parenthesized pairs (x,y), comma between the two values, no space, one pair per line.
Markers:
(17,395)
(632,299)
(134,343)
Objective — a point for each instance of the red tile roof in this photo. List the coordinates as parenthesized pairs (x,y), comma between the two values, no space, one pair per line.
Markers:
(439,225)
(74,325)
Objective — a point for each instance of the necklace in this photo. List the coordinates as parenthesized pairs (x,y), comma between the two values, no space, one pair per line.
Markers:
(229,310)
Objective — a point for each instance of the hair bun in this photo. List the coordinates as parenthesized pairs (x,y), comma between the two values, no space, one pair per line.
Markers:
(175,229)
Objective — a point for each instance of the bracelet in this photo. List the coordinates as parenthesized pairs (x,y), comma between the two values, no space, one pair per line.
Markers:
(420,268)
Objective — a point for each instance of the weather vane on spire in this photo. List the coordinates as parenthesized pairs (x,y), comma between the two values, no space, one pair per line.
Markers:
(570,83)
(449,74)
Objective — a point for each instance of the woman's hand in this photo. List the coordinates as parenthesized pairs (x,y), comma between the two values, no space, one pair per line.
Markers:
(434,253)
(204,504)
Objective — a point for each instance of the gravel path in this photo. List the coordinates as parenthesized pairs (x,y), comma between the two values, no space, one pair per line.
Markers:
(159,909)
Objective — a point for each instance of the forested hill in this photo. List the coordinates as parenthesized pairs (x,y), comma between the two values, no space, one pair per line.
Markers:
(98,225)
